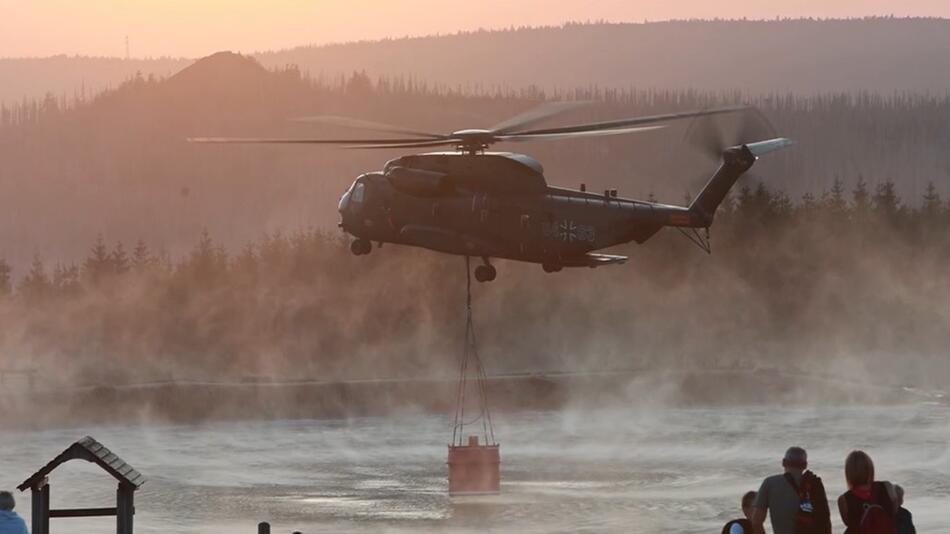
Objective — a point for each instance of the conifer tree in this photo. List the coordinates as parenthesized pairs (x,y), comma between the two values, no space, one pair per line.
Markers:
(885,200)
(246,264)
(98,264)
(6,284)
(119,259)
(207,262)
(932,205)
(36,285)
(809,204)
(65,280)
(860,198)
(141,257)
(834,201)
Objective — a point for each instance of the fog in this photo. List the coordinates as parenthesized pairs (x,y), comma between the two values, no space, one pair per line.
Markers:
(629,469)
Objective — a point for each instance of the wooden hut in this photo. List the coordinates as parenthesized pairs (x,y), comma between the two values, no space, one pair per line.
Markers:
(90,450)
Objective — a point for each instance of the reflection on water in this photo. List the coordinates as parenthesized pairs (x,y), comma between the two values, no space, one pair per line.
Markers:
(658,470)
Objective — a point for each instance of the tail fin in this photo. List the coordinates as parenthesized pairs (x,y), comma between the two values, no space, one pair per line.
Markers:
(735,162)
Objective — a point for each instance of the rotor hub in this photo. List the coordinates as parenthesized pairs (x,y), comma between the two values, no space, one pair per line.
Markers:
(474,140)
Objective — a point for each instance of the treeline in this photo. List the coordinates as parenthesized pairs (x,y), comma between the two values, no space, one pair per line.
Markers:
(850,281)
(290,258)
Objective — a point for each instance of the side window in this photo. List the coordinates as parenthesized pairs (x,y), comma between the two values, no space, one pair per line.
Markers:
(358,192)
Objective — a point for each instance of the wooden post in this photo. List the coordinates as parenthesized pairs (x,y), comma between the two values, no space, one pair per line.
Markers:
(37,519)
(263,527)
(46,498)
(125,508)
(40,519)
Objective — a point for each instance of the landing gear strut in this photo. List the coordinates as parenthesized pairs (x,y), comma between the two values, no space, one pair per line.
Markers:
(486,272)
(361,247)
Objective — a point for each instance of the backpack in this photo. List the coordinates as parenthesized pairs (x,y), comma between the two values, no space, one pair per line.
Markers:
(812,516)
(875,519)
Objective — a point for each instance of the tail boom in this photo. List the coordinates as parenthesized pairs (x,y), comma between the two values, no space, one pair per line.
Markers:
(736,161)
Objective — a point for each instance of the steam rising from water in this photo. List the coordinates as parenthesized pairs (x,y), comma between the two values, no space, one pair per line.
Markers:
(626,469)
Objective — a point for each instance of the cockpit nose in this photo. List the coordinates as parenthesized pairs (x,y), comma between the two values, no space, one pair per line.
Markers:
(353,198)
(344,201)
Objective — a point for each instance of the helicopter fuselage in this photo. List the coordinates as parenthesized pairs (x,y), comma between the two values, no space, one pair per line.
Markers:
(495,205)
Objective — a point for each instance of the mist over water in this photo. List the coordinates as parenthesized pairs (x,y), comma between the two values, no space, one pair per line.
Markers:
(623,469)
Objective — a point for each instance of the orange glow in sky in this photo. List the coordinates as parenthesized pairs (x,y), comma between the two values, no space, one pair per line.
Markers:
(197,27)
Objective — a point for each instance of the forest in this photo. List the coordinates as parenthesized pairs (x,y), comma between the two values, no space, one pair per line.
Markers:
(118,164)
(849,283)
(131,255)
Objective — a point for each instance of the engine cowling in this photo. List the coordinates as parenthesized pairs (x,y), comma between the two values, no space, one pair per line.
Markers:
(418,182)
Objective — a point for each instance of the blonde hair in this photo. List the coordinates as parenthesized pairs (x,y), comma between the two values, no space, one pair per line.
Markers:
(858,469)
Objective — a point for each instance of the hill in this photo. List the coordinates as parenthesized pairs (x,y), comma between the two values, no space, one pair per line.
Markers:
(800,56)
(75,77)
(806,56)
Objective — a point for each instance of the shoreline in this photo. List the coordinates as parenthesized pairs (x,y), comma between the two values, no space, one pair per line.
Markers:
(253,399)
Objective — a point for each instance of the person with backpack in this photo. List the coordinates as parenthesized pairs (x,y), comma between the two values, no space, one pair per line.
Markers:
(868,507)
(742,525)
(795,500)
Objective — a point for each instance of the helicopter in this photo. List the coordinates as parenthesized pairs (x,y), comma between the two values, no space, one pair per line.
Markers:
(477,203)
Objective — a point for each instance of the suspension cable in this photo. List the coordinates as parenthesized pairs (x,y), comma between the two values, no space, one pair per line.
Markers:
(470,355)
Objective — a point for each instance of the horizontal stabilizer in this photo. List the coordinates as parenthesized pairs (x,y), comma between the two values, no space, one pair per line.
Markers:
(596,260)
(761,148)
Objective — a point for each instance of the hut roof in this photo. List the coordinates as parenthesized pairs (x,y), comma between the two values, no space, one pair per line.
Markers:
(92,451)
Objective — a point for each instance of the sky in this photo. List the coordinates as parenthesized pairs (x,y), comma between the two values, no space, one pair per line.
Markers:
(194,28)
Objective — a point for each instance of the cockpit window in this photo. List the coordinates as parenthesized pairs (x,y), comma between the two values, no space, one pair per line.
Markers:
(358,193)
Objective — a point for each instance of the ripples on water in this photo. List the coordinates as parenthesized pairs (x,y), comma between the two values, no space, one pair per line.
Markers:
(658,470)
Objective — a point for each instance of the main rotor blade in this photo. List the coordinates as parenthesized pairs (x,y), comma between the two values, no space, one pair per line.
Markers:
(417,144)
(269,141)
(360,124)
(535,115)
(755,127)
(711,135)
(706,135)
(634,121)
(573,135)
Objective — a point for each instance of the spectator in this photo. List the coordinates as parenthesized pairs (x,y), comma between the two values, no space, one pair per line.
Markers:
(795,500)
(743,525)
(867,506)
(10,521)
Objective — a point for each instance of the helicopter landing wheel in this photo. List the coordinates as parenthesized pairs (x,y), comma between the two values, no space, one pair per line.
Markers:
(485,273)
(361,247)
(551,268)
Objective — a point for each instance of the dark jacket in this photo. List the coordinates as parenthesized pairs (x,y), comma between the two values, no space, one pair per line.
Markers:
(905,522)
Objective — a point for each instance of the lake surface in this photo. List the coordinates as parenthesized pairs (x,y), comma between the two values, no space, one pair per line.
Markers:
(623,470)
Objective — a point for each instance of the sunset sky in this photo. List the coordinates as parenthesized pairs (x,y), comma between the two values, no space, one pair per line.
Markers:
(197,27)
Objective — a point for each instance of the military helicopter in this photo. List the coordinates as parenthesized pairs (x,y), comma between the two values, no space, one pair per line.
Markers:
(477,203)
